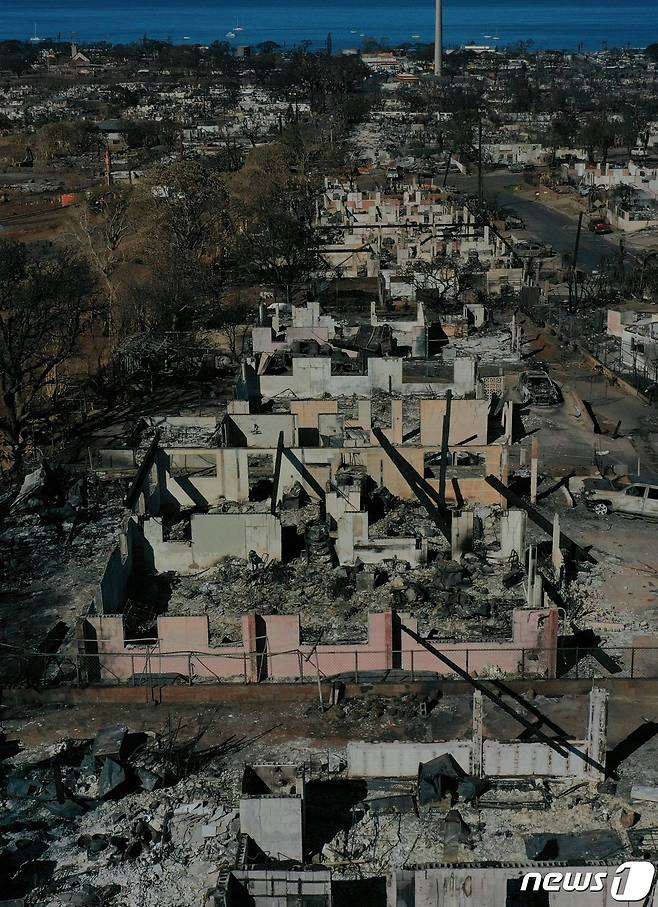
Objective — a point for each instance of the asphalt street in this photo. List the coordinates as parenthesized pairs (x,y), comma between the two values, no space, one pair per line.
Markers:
(556,229)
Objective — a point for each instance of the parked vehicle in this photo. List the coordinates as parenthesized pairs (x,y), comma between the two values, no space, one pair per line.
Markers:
(640,498)
(600,227)
(537,389)
(514,223)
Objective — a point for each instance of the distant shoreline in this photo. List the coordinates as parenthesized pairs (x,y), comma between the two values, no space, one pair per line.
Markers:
(314,46)
(549,24)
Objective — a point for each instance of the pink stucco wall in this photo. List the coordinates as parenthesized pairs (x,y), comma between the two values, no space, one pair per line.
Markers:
(271,649)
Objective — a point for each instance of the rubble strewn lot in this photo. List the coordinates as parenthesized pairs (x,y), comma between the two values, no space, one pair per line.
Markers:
(54,545)
(120,815)
(407,459)
(459,602)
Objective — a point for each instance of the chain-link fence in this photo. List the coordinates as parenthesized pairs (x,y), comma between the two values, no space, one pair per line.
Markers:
(151,667)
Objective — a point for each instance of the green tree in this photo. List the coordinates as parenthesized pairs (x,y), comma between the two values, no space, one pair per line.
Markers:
(104,228)
(43,308)
(279,246)
(562,132)
(188,226)
(597,132)
(64,138)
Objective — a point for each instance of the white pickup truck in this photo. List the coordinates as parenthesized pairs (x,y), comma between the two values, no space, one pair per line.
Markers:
(639,498)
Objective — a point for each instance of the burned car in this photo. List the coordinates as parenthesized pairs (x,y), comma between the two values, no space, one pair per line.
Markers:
(639,498)
(537,389)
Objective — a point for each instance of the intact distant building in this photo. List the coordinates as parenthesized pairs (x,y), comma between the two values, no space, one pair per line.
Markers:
(384,61)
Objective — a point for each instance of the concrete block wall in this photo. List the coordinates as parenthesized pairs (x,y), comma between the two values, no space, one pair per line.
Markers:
(111,592)
(271,648)
(401,760)
(347,501)
(231,475)
(475,885)
(111,658)
(465,375)
(230,479)
(275,824)
(260,430)
(312,378)
(273,887)
(214,536)
(468,422)
(532,649)
(264,340)
(515,759)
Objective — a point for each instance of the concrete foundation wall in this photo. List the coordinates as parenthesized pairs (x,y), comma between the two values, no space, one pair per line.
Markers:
(312,378)
(352,543)
(229,480)
(401,760)
(261,430)
(111,593)
(468,422)
(411,550)
(505,760)
(477,885)
(214,536)
(275,824)
(271,648)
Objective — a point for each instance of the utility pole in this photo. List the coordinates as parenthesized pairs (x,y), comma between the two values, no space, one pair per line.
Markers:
(573,286)
(480,162)
(447,170)
(438,40)
(622,252)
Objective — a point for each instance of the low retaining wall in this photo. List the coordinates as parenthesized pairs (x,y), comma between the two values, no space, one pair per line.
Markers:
(626,386)
(517,759)
(271,649)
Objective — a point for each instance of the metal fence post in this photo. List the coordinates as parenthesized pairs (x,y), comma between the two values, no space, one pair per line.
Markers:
(356,666)
(189,668)
(244,666)
(413,676)
(132,669)
(522,664)
(466,668)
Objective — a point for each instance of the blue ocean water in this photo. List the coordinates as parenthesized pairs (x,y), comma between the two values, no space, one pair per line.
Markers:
(549,23)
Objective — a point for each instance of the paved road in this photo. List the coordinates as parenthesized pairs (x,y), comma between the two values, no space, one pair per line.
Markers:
(552,227)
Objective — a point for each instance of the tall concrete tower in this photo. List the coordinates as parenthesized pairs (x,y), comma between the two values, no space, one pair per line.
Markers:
(438,39)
